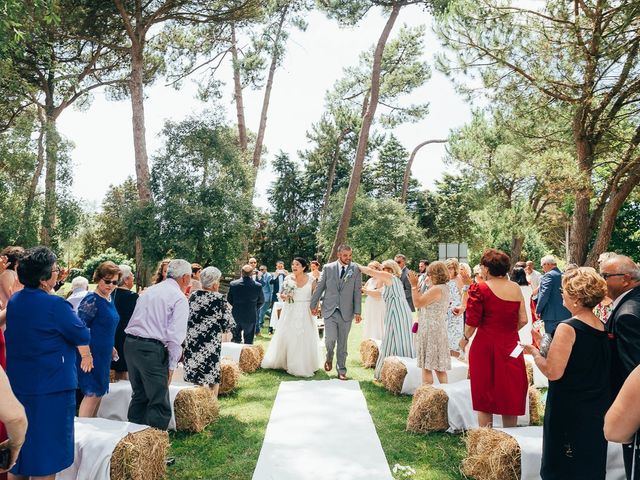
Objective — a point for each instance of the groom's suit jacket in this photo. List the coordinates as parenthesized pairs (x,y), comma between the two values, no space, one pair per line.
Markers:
(339,294)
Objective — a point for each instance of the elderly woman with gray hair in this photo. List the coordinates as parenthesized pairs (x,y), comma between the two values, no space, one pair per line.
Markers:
(209,317)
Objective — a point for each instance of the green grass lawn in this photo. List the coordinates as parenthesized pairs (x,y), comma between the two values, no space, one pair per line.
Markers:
(229,448)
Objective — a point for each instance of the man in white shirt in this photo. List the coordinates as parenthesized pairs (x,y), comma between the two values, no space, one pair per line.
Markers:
(79,290)
(153,345)
(533,277)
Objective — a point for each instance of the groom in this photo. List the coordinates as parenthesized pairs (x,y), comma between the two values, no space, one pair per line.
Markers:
(341,283)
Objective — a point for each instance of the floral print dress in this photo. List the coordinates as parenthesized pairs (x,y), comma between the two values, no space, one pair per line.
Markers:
(209,317)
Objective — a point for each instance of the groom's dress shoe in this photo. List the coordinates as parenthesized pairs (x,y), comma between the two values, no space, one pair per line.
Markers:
(328,366)
(342,376)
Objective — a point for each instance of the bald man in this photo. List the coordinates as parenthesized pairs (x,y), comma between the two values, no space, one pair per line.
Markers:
(623,284)
(245,296)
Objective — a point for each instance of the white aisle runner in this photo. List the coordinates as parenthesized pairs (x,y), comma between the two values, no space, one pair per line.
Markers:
(321,429)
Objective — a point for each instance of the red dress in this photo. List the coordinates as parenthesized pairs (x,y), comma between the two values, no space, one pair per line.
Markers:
(498,381)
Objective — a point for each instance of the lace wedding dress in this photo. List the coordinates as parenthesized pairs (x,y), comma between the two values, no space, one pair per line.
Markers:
(295,346)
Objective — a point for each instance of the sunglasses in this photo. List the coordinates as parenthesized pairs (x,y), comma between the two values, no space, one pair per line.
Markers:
(607,275)
(110,282)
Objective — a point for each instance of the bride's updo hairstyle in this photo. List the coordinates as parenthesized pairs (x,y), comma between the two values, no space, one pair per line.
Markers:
(303,262)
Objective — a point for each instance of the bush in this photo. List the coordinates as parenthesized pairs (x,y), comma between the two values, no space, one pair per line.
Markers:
(116,257)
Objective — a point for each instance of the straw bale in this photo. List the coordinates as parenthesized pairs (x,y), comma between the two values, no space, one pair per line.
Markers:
(529,367)
(229,376)
(260,350)
(491,455)
(141,456)
(250,359)
(392,374)
(112,376)
(428,411)
(369,353)
(535,406)
(195,408)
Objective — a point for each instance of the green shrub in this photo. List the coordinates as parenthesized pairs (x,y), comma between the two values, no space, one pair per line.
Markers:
(116,257)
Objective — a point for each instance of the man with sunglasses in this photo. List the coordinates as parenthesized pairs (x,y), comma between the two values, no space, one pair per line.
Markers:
(623,285)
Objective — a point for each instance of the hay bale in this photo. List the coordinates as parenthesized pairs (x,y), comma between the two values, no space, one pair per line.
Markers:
(260,350)
(195,408)
(229,376)
(535,406)
(491,455)
(112,376)
(369,353)
(250,359)
(428,411)
(529,367)
(392,374)
(141,456)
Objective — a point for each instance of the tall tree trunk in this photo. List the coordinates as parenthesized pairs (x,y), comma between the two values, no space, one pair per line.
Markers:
(407,170)
(618,196)
(332,172)
(237,92)
(33,186)
(275,55)
(52,140)
(580,231)
(363,139)
(517,242)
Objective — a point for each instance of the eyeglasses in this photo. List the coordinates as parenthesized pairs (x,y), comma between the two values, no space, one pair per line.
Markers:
(607,275)
(55,270)
(110,282)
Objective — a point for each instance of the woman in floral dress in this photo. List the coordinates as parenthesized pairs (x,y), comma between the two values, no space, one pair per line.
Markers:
(209,317)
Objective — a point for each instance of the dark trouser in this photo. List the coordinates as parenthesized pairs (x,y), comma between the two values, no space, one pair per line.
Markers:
(246,330)
(627,454)
(261,313)
(148,364)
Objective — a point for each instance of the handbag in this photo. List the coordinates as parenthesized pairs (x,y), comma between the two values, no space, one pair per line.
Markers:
(414,328)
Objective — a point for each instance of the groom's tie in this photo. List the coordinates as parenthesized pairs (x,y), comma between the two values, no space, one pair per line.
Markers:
(342,272)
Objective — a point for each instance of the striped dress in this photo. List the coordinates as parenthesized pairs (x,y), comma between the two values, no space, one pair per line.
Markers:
(398,320)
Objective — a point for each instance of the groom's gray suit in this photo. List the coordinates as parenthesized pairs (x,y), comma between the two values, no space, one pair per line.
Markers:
(342,299)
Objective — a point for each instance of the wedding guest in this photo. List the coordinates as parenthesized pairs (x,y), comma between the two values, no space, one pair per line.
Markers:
(373,313)
(316,269)
(125,300)
(245,296)
(432,341)
(43,338)
(196,268)
(13,417)
(99,313)
(209,317)
(79,290)
(278,283)
(549,306)
(520,277)
(458,293)
(254,264)
(401,260)
(397,316)
(533,277)
(9,281)
(423,280)
(153,345)
(622,422)
(161,271)
(623,287)
(495,313)
(264,279)
(577,366)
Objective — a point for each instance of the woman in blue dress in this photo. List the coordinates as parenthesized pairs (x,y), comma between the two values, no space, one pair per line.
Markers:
(43,339)
(99,314)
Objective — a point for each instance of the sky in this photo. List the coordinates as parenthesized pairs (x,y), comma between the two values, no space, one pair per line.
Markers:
(315,59)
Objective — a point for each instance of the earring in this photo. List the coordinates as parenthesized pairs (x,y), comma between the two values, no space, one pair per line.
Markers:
(575,304)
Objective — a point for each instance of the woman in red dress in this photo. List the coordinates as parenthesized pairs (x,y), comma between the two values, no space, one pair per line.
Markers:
(495,313)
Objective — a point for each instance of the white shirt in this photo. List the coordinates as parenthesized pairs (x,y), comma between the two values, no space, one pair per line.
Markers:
(534,279)
(76,297)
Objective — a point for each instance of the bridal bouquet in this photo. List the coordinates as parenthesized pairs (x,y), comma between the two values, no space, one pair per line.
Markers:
(288,288)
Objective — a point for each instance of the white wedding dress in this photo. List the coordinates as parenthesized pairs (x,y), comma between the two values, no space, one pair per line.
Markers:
(295,346)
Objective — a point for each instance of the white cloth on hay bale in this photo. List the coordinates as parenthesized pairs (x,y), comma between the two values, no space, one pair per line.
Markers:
(539,380)
(413,379)
(232,350)
(530,441)
(115,404)
(460,408)
(95,440)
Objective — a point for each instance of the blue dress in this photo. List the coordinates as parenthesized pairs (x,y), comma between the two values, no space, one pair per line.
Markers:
(102,318)
(42,337)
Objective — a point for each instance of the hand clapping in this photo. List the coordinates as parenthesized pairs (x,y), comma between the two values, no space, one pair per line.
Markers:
(413,278)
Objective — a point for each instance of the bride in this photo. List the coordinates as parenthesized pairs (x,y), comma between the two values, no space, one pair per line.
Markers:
(295,346)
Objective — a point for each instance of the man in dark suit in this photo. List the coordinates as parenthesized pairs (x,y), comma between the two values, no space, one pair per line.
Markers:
(401,260)
(623,284)
(245,296)
(549,307)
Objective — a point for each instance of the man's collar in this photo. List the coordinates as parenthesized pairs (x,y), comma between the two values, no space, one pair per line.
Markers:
(617,301)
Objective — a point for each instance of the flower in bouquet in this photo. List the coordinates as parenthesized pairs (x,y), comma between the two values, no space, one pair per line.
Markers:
(288,289)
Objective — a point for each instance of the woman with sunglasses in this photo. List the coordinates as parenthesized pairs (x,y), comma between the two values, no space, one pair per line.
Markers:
(99,314)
